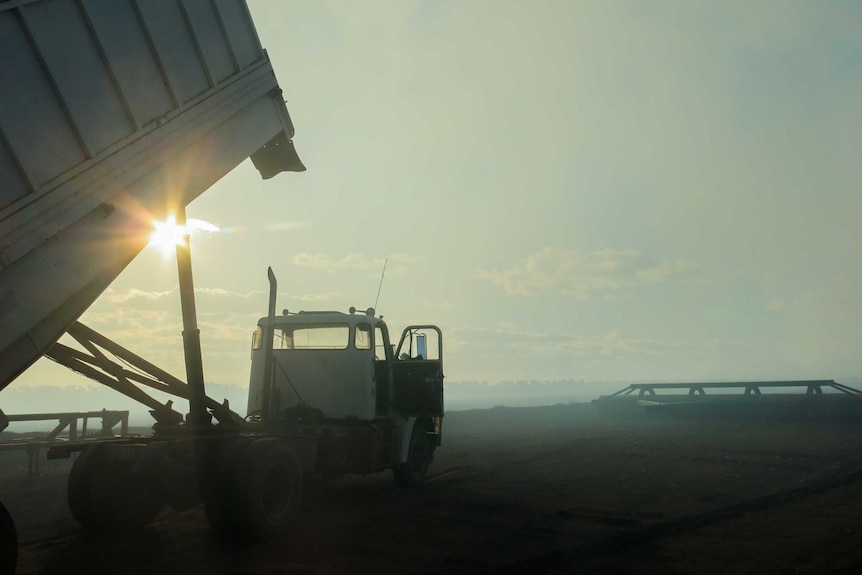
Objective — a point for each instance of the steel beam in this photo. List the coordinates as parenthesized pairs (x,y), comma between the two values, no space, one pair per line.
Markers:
(198,414)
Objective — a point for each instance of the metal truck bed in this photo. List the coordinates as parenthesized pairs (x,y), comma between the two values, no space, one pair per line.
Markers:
(112,114)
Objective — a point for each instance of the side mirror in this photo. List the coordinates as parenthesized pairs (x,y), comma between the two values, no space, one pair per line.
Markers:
(421,348)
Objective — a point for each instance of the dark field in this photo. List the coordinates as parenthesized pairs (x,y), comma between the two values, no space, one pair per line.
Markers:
(555,489)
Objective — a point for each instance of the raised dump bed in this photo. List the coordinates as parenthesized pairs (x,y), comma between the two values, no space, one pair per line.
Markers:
(115,113)
(744,400)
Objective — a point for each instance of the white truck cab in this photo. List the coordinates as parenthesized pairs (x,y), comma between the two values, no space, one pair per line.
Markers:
(372,405)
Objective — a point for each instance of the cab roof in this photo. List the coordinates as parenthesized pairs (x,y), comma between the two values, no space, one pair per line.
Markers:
(324,317)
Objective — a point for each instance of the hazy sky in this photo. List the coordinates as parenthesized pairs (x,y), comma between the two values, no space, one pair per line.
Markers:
(587,190)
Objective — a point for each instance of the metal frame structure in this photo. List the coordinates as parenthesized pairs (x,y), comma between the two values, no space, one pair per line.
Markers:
(66,420)
(813,387)
(126,376)
(110,419)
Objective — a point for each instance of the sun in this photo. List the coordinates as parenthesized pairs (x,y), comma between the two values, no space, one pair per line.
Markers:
(167,235)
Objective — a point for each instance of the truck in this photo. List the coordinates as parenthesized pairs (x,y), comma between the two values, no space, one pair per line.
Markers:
(329,395)
(118,113)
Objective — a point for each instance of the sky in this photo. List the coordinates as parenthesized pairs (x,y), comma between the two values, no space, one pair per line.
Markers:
(586,190)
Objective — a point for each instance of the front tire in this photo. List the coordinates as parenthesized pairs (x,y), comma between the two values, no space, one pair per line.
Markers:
(413,471)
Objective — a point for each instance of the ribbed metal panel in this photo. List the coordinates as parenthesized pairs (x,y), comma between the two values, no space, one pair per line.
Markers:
(76,78)
(102,104)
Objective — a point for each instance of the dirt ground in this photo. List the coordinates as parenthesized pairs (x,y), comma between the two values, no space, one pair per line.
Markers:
(558,489)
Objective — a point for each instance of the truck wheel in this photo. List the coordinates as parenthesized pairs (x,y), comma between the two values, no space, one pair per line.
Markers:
(105,494)
(123,500)
(78,488)
(268,485)
(219,492)
(412,472)
(8,543)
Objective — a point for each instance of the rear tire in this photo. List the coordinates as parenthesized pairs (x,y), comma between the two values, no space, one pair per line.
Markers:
(220,505)
(413,471)
(105,494)
(78,488)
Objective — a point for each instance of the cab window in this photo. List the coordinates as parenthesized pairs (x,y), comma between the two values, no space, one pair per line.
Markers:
(331,336)
(362,336)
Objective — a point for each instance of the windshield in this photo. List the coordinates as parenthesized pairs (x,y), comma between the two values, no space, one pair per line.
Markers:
(311,337)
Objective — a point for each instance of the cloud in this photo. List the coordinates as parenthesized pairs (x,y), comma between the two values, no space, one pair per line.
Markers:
(670,271)
(135,294)
(220,292)
(395,264)
(316,297)
(834,300)
(132,295)
(508,338)
(349,262)
(286,226)
(438,305)
(584,274)
(803,301)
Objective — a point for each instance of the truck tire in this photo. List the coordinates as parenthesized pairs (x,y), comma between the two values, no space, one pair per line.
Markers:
(268,484)
(413,471)
(78,489)
(8,543)
(219,492)
(105,494)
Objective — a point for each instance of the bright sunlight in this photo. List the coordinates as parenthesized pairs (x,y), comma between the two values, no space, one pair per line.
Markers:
(167,235)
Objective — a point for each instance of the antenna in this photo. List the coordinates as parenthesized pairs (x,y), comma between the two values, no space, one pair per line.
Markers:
(381,282)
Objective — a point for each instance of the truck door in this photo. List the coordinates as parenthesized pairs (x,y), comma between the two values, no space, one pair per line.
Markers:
(382,368)
(418,372)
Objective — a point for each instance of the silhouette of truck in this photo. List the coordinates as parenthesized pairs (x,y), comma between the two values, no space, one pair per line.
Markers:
(329,395)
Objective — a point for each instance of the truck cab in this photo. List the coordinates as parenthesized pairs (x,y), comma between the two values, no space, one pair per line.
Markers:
(339,376)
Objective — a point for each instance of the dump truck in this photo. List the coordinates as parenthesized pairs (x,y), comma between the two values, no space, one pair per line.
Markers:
(118,113)
(329,395)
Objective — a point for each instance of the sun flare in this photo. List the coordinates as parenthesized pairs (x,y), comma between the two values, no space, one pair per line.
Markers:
(167,235)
